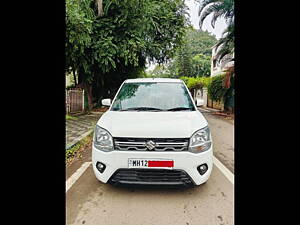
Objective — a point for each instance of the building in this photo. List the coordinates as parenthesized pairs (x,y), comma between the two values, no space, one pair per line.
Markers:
(219,67)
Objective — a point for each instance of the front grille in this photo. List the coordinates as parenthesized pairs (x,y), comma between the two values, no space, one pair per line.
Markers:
(151,177)
(162,144)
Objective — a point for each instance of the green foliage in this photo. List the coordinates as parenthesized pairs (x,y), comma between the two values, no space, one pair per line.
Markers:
(184,61)
(108,49)
(200,42)
(79,19)
(193,58)
(229,96)
(216,89)
(201,65)
(71,152)
(225,45)
(185,80)
(158,71)
(215,86)
(220,9)
(196,82)
(68,117)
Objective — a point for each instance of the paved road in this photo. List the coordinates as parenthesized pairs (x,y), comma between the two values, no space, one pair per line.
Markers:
(222,132)
(79,128)
(90,202)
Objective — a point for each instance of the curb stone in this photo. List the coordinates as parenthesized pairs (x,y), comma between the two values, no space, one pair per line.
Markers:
(74,142)
(85,134)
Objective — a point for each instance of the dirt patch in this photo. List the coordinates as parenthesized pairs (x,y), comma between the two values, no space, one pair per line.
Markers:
(101,109)
(76,152)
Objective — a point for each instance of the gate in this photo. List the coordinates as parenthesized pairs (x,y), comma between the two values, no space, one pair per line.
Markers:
(75,100)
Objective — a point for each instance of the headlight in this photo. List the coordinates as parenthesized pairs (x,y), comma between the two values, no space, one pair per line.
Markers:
(102,139)
(200,141)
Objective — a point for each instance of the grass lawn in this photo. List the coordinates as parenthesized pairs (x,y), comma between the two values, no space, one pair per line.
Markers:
(68,117)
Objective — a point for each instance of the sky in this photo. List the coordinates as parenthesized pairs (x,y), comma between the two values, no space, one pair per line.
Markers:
(194,18)
(193,6)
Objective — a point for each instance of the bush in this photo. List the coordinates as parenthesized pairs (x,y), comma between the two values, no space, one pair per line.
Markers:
(185,79)
(196,82)
(216,89)
(229,96)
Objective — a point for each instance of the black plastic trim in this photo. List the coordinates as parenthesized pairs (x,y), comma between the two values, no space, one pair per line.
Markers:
(149,178)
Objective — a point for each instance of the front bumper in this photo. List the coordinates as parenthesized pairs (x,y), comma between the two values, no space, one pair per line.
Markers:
(183,161)
(153,177)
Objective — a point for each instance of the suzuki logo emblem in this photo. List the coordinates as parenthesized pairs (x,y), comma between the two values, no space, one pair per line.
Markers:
(150,145)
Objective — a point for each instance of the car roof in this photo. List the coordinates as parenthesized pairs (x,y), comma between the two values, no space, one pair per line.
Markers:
(159,80)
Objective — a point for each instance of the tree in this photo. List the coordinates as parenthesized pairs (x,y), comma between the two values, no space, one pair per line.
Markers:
(115,46)
(184,61)
(79,21)
(193,59)
(200,42)
(99,4)
(219,9)
(159,71)
(225,45)
(201,65)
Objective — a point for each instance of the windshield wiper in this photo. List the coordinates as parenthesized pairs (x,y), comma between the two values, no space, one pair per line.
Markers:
(141,109)
(179,109)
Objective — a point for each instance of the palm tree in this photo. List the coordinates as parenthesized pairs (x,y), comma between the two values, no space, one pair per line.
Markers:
(225,44)
(219,8)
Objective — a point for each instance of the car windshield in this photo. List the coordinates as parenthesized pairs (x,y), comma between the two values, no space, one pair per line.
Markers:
(153,97)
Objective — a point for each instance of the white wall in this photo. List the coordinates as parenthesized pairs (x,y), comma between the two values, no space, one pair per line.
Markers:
(220,67)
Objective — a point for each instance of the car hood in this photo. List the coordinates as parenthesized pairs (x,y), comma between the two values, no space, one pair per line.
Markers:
(152,124)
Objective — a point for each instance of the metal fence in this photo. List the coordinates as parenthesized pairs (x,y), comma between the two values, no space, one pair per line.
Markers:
(74,100)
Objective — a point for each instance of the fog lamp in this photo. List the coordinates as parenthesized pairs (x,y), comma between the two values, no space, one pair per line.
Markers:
(202,168)
(100,167)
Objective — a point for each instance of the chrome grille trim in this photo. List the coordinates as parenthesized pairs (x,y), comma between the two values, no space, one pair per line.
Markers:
(162,144)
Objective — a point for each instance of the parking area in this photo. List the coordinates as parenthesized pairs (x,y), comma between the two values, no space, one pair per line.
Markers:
(91,202)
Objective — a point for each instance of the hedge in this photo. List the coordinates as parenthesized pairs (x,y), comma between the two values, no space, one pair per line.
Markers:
(215,88)
(196,82)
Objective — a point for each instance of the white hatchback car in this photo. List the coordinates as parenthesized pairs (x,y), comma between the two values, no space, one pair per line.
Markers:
(152,134)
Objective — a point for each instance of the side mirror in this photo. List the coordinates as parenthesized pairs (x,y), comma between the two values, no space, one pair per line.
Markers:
(106,102)
(199,102)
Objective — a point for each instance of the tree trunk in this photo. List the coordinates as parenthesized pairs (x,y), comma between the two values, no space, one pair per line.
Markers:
(74,75)
(99,4)
(82,83)
(88,90)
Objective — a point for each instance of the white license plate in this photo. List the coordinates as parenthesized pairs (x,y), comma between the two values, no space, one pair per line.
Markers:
(150,163)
